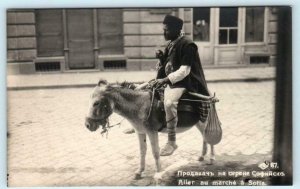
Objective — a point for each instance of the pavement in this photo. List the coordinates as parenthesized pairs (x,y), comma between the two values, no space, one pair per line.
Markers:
(89,79)
(48,144)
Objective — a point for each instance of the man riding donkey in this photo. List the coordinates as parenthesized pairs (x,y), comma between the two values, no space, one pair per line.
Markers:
(180,69)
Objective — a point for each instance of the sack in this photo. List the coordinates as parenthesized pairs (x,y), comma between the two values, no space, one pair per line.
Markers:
(213,131)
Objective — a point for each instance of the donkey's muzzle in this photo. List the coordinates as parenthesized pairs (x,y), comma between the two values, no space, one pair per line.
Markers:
(91,125)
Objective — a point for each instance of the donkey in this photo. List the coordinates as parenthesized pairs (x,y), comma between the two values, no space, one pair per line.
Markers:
(136,106)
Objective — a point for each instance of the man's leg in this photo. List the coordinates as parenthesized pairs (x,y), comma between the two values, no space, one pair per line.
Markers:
(171,98)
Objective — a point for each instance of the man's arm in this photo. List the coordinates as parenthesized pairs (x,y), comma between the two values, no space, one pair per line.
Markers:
(179,74)
(174,77)
(187,60)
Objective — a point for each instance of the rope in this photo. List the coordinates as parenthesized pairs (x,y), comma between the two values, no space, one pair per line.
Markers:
(190,100)
(151,105)
(106,127)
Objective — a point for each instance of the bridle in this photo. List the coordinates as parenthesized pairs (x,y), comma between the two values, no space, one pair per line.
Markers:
(106,126)
(100,121)
(104,121)
(96,120)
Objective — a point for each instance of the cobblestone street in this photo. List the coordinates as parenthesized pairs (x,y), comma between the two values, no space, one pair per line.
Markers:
(48,144)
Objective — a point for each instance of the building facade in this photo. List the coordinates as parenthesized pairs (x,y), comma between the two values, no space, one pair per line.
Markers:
(66,40)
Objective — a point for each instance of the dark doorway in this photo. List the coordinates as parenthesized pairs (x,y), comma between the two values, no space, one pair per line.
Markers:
(80,38)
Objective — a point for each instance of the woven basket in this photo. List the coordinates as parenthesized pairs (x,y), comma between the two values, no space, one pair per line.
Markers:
(213,130)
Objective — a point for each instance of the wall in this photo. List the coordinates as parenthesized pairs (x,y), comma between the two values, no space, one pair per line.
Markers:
(143,34)
(272,34)
(21,39)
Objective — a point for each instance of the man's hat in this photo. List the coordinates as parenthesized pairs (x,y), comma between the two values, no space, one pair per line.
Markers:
(173,22)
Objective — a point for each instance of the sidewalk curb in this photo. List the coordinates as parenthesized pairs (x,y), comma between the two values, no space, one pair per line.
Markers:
(89,85)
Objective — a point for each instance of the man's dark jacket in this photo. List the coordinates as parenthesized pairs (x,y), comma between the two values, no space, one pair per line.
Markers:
(185,52)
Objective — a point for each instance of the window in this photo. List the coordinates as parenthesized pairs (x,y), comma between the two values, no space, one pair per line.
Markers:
(259,59)
(49,33)
(114,64)
(254,24)
(201,21)
(228,25)
(110,31)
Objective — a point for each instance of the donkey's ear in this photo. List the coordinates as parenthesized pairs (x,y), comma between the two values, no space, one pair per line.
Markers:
(102,82)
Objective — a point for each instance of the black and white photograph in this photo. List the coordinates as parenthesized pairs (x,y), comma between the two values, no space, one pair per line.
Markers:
(149,96)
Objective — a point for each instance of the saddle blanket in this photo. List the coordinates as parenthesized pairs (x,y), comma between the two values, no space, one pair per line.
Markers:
(188,103)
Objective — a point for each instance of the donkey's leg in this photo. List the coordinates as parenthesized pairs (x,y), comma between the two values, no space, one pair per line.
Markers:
(212,154)
(143,150)
(153,136)
(201,126)
(204,151)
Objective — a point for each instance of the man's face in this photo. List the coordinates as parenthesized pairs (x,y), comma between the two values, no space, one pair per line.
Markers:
(170,33)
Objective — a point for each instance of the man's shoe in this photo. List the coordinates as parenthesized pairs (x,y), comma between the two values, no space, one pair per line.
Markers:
(168,149)
(129,131)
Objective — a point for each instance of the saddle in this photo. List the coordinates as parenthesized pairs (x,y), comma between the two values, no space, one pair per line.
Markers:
(192,107)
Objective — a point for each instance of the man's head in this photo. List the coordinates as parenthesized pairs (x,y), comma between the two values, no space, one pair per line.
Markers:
(172,27)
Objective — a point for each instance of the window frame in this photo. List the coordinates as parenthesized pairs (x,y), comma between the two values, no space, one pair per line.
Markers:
(39,37)
(210,25)
(265,35)
(228,28)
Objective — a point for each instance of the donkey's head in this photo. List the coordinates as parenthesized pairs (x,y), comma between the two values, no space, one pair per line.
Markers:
(100,108)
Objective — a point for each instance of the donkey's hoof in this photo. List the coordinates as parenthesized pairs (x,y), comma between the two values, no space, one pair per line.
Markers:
(137,176)
(211,162)
(201,158)
(158,176)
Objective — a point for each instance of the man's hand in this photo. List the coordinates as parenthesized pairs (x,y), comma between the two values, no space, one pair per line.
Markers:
(158,65)
(161,82)
(159,54)
(141,86)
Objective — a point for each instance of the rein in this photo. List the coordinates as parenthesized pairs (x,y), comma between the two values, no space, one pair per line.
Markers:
(106,127)
(151,104)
